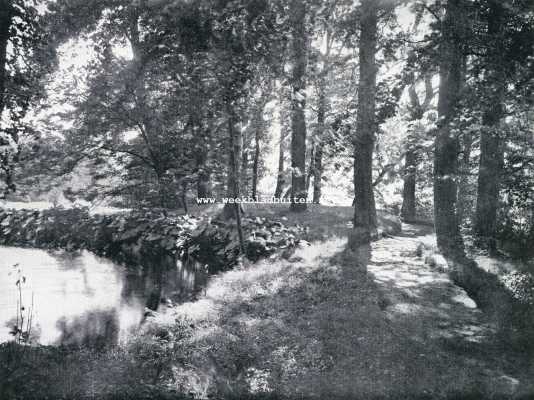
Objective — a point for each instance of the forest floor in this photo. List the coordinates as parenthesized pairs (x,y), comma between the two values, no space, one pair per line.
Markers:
(320,322)
(327,323)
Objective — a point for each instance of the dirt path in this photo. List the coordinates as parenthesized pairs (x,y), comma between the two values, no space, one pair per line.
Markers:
(422,299)
(424,296)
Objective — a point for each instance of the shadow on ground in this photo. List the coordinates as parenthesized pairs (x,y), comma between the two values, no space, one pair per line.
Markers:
(327,323)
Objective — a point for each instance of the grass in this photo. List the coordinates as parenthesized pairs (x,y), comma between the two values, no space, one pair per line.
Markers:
(311,324)
(317,325)
(322,221)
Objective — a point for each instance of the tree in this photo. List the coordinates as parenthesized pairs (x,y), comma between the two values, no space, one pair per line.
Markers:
(282,116)
(22,64)
(507,34)
(298,104)
(364,138)
(260,100)
(6,16)
(446,143)
(416,110)
(316,167)
(491,149)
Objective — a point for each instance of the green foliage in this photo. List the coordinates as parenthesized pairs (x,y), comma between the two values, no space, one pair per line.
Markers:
(146,234)
(125,237)
(25,58)
(139,369)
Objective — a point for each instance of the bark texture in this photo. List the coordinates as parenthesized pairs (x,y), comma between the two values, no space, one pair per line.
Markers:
(319,146)
(364,210)
(280,181)
(446,144)
(491,149)
(6,15)
(464,205)
(255,164)
(6,19)
(408,210)
(280,177)
(235,143)
(298,104)
(258,125)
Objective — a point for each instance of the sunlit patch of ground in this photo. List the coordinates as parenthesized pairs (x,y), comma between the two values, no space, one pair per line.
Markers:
(320,325)
(422,296)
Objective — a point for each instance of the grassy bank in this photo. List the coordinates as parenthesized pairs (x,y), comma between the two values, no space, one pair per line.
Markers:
(317,325)
(307,321)
(205,348)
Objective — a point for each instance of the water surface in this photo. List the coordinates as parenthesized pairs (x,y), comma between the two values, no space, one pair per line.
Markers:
(79,298)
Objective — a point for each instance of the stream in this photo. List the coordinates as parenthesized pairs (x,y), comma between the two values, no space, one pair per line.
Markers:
(81,299)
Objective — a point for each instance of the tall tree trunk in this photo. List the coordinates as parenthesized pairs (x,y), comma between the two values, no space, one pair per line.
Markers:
(417,110)
(162,196)
(408,210)
(233,192)
(466,144)
(322,106)
(280,177)
(311,168)
(280,181)
(256,160)
(463,182)
(202,179)
(491,149)
(6,18)
(258,126)
(183,196)
(201,158)
(298,104)
(318,174)
(448,235)
(364,210)
(318,156)
(6,15)
(244,180)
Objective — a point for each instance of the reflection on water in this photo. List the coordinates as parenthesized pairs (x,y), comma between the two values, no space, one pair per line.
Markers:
(83,299)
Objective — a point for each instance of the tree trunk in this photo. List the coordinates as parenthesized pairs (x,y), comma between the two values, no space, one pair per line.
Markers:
(233,192)
(408,211)
(311,168)
(280,181)
(201,158)
(446,144)
(417,110)
(318,156)
(258,133)
(318,173)
(6,15)
(280,178)
(463,183)
(298,104)
(256,162)
(183,197)
(364,210)
(202,183)
(245,161)
(491,149)
(162,197)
